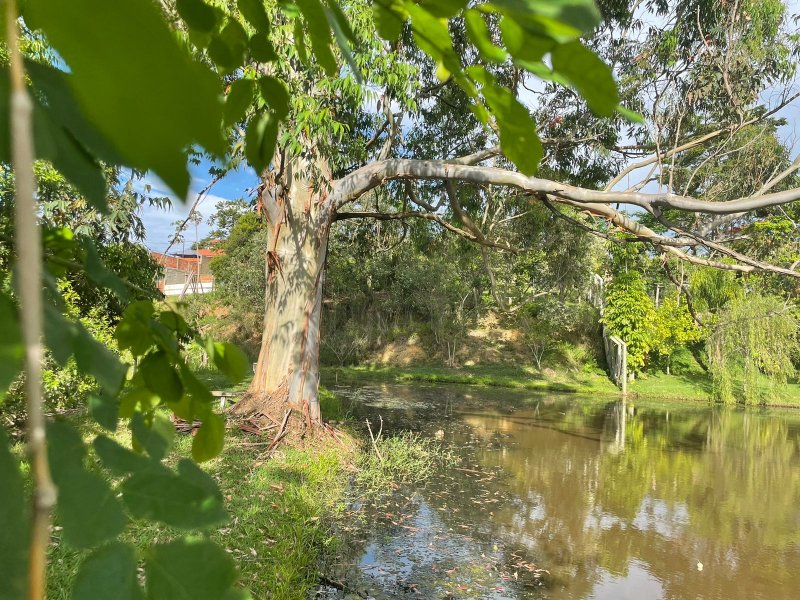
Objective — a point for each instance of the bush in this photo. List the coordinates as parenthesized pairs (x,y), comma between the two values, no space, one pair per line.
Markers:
(64,388)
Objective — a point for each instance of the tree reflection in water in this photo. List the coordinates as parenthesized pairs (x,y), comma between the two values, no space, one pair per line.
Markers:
(615,500)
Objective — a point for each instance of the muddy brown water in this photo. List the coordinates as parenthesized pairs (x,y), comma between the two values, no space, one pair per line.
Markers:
(562,497)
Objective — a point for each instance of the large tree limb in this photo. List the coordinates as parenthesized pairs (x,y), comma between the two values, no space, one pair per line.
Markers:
(366,178)
(597,202)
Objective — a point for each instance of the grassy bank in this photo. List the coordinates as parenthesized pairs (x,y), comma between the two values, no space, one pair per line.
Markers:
(694,385)
(281,513)
(508,376)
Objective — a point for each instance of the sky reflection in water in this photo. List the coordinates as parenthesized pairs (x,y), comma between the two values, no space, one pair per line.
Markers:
(568,498)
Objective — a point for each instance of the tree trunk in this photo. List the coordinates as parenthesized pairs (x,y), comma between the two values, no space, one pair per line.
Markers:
(299,215)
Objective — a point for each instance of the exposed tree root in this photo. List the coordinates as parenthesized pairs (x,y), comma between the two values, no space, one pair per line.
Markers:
(259,413)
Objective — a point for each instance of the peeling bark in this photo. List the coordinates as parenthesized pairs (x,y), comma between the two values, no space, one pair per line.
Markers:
(299,215)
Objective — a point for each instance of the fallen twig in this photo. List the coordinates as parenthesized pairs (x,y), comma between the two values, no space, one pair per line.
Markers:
(281,432)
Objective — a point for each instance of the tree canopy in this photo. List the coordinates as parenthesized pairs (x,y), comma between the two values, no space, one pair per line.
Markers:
(619,119)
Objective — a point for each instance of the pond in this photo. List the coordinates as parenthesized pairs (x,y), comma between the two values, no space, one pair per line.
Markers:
(562,497)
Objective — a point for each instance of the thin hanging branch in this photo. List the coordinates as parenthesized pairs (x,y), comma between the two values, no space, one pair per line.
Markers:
(29,274)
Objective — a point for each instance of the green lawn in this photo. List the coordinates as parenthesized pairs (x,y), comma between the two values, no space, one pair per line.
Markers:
(509,376)
(693,385)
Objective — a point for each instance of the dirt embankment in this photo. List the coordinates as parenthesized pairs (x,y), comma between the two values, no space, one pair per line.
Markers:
(487,343)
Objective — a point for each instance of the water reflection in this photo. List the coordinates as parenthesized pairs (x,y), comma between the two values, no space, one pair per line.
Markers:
(613,500)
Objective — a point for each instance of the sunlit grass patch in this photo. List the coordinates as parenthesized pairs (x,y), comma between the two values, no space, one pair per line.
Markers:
(401,458)
(282,508)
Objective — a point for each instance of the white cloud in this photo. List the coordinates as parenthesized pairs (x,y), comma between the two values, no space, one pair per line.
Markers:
(159,223)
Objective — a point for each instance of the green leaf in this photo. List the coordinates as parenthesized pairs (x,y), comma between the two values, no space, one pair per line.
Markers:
(66,451)
(174,322)
(118,459)
(253,11)
(137,397)
(69,157)
(525,46)
(95,359)
(194,387)
(275,94)
(518,138)
(260,141)
(389,17)
(13,526)
(108,572)
(320,34)
(104,409)
(300,42)
(479,34)
(630,115)
(229,359)
(431,34)
(55,86)
(261,48)
(197,14)
(11,349)
(156,438)
(589,75)
(344,35)
(100,274)
(59,334)
(88,509)
(183,501)
(210,438)
(238,100)
(172,571)
(161,377)
(133,331)
(187,108)
(558,18)
(228,48)
(443,8)
(336,15)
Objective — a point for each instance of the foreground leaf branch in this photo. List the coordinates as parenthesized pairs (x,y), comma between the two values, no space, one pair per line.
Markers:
(29,275)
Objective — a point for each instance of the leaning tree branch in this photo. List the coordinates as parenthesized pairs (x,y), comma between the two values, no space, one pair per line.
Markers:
(587,228)
(371,176)
(682,289)
(200,195)
(597,202)
(726,219)
(459,212)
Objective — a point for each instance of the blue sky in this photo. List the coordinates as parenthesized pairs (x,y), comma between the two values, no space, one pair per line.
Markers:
(159,223)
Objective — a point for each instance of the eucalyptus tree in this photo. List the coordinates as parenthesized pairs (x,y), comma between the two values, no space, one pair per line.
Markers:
(285,82)
(427,92)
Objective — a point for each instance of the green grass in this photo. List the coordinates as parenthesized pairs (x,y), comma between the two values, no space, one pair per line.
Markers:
(507,376)
(281,513)
(692,385)
(403,458)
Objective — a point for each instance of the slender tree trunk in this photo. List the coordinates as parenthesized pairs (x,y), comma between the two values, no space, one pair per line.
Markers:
(299,216)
